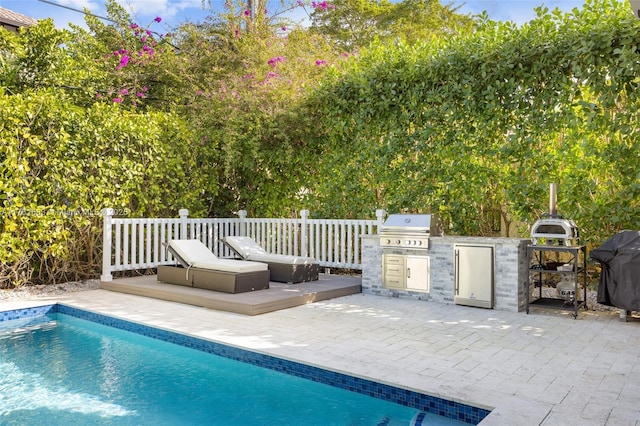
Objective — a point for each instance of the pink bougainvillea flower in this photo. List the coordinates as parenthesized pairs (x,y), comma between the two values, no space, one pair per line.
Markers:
(124,60)
(320,62)
(322,5)
(247,13)
(124,92)
(117,100)
(274,61)
(140,95)
(133,26)
(284,28)
(158,19)
(271,74)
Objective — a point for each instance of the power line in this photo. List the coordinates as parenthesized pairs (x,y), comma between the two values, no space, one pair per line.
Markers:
(78,10)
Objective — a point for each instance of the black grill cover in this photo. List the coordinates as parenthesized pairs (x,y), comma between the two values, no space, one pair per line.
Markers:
(620,279)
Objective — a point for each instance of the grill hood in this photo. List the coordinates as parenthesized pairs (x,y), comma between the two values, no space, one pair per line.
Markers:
(425,224)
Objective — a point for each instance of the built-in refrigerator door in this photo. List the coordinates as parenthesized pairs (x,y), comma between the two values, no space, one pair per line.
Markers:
(474,275)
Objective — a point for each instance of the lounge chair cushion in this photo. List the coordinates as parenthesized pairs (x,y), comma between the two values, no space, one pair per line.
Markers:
(248,249)
(194,254)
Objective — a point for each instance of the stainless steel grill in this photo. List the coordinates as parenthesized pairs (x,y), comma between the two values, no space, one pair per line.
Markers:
(552,228)
(409,231)
(405,241)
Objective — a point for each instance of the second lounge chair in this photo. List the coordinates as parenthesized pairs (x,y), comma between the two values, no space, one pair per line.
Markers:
(283,268)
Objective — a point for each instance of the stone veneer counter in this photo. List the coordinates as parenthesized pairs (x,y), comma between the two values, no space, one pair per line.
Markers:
(510,270)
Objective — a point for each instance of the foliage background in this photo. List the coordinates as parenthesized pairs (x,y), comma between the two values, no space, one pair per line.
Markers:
(416,108)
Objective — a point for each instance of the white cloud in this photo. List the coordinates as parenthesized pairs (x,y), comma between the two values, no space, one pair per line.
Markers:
(161,8)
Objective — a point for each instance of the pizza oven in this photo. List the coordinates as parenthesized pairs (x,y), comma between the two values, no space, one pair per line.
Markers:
(552,228)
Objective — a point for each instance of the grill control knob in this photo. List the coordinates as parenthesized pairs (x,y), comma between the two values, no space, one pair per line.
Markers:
(398,242)
(388,241)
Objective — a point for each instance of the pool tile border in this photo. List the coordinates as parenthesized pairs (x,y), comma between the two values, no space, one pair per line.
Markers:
(432,404)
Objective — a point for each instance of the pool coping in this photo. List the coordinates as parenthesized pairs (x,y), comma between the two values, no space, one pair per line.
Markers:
(451,409)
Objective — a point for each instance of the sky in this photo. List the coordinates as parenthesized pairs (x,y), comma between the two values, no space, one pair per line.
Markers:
(176,12)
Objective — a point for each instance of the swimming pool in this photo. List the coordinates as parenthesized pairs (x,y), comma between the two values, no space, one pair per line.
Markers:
(59,364)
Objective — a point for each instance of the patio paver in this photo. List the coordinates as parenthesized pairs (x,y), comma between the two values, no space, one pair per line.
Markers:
(544,368)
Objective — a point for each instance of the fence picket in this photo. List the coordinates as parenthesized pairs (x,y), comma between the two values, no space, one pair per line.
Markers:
(139,243)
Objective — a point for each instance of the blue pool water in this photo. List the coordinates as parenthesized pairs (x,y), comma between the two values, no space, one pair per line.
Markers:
(59,369)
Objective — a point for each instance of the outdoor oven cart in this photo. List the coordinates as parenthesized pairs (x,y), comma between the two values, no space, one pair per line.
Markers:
(574,268)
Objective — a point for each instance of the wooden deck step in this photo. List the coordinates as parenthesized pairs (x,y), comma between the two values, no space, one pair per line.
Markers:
(278,296)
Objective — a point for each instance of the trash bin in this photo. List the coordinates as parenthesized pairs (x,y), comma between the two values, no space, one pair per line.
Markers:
(619,283)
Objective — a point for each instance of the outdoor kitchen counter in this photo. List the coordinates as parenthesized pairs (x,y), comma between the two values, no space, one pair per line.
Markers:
(511,270)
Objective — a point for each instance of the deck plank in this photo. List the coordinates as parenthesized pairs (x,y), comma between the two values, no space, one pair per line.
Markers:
(278,296)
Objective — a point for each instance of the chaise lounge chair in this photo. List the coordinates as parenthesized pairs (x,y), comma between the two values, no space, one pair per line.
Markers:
(202,269)
(283,268)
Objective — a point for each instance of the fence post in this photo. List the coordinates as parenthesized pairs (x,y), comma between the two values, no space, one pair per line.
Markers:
(242,214)
(107,236)
(380,215)
(304,235)
(184,214)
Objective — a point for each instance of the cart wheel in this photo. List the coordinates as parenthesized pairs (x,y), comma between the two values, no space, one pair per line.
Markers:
(575,316)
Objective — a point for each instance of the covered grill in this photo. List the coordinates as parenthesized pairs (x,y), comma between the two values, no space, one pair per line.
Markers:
(409,231)
(552,228)
(619,257)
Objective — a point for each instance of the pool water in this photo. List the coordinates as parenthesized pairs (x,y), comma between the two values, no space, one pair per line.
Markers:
(57,369)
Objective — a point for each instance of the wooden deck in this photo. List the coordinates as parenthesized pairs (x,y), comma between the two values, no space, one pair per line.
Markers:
(278,296)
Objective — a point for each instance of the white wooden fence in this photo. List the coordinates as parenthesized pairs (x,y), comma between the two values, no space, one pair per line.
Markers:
(137,244)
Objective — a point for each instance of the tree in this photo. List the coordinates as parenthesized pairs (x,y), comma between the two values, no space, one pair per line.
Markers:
(355,24)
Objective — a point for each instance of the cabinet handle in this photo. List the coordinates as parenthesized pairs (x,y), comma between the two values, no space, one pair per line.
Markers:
(408,272)
(457,261)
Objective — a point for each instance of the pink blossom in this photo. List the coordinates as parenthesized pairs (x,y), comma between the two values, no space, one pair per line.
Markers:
(140,95)
(320,62)
(158,19)
(322,5)
(124,92)
(284,28)
(117,100)
(274,61)
(133,26)
(247,13)
(271,74)
(123,62)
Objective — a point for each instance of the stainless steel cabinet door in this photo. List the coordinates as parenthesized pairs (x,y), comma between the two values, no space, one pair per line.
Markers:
(418,273)
(474,280)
